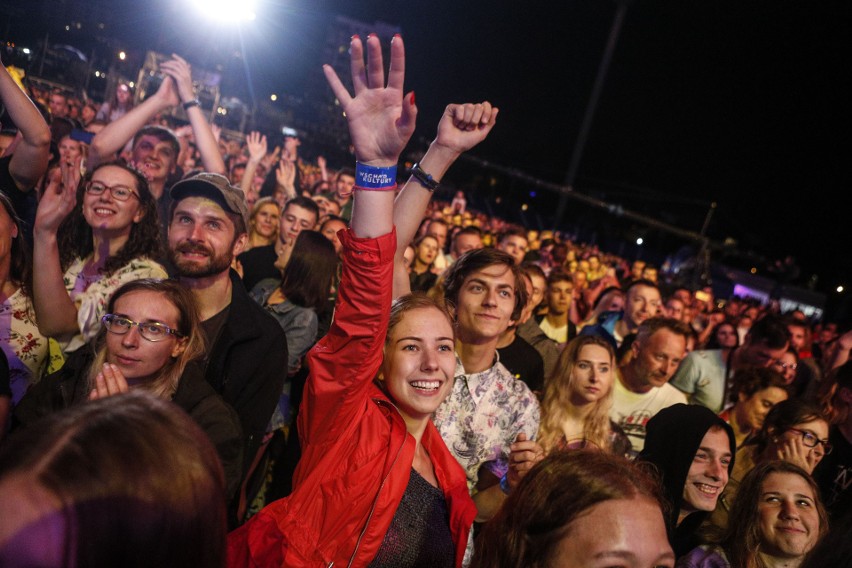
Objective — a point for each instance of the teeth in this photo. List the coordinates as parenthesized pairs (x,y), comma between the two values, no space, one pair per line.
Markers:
(426,385)
(103,211)
(708,489)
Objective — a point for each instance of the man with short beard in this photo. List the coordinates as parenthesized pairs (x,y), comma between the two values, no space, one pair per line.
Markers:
(246,361)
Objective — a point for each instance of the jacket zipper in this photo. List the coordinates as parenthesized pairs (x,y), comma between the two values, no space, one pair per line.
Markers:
(376,500)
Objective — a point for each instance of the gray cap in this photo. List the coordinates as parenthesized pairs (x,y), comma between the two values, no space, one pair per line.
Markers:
(217,188)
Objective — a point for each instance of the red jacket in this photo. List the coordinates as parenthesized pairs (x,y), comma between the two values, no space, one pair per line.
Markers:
(356,452)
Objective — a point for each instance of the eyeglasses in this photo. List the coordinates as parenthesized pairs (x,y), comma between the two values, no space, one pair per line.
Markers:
(118,192)
(152,331)
(811,441)
(785,366)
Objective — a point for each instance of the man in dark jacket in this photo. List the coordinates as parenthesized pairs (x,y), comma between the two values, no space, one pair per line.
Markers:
(693,449)
(246,361)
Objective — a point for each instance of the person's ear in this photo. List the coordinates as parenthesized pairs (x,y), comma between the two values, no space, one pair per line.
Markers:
(742,397)
(239,244)
(180,347)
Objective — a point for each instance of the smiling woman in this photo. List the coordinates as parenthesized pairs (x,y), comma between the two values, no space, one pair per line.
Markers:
(776,520)
(91,236)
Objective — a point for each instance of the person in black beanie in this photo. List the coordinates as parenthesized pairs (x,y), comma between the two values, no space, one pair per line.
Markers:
(693,449)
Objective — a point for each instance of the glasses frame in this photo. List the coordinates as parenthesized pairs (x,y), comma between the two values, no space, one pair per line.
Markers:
(108,319)
(826,446)
(111,189)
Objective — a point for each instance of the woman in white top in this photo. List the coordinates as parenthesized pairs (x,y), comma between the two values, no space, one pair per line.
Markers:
(90,238)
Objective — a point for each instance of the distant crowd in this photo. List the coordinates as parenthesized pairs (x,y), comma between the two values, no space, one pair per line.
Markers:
(216,352)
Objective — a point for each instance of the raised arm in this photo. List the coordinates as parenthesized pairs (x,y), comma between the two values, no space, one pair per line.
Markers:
(29,161)
(55,312)
(381,121)
(257,147)
(345,361)
(181,73)
(462,127)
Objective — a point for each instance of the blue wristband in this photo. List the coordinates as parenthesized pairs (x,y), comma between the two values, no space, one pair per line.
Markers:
(373,178)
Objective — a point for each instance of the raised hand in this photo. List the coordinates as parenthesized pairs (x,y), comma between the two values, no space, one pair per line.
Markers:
(59,198)
(285,176)
(381,121)
(181,72)
(110,381)
(257,147)
(463,126)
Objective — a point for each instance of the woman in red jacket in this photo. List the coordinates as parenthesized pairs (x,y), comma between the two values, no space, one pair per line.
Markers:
(376,486)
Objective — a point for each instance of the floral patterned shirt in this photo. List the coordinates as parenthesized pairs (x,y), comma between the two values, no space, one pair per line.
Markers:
(25,348)
(483,415)
(91,295)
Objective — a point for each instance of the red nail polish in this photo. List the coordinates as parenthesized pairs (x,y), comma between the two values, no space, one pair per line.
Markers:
(356,36)
(412,98)
(372,35)
(397,35)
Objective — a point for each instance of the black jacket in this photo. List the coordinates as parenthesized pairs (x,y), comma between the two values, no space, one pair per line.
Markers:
(247,365)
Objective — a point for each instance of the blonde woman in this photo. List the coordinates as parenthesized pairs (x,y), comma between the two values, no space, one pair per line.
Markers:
(578,397)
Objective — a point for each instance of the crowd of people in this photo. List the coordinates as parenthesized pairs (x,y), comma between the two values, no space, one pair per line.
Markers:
(277,361)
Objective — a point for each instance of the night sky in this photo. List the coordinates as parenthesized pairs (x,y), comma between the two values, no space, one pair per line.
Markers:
(744,103)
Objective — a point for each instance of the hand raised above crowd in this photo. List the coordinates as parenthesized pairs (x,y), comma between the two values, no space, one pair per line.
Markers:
(256,146)
(463,126)
(59,197)
(381,121)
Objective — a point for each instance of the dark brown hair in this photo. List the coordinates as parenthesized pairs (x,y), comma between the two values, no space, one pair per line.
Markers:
(480,259)
(75,234)
(527,530)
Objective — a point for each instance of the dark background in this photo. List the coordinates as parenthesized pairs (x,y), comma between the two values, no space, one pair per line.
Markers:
(742,103)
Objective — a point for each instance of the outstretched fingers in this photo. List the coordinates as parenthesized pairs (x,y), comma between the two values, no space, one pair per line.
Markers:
(337,87)
(375,63)
(396,71)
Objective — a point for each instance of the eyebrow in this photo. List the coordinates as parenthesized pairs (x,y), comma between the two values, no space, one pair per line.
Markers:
(714,452)
(414,338)
(125,316)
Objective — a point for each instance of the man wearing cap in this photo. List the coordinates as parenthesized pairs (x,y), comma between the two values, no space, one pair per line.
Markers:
(246,359)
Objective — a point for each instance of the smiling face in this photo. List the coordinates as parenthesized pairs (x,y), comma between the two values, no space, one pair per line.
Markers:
(591,376)
(157,156)
(629,533)
(202,238)
(419,363)
(708,473)
(789,520)
(817,428)
(643,302)
(103,212)
(485,304)
(265,221)
(138,359)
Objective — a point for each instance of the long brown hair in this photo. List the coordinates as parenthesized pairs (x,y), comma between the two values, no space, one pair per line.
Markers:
(557,398)
(189,326)
(743,537)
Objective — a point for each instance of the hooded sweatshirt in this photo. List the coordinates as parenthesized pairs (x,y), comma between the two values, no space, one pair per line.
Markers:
(673,437)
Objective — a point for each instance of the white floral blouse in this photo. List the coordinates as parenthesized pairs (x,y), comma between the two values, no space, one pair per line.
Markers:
(91,294)
(25,348)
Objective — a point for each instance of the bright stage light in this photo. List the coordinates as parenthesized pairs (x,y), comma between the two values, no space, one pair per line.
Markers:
(227,10)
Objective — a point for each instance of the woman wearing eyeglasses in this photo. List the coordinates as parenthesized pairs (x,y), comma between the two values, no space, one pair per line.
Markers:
(90,238)
(149,338)
(794,431)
